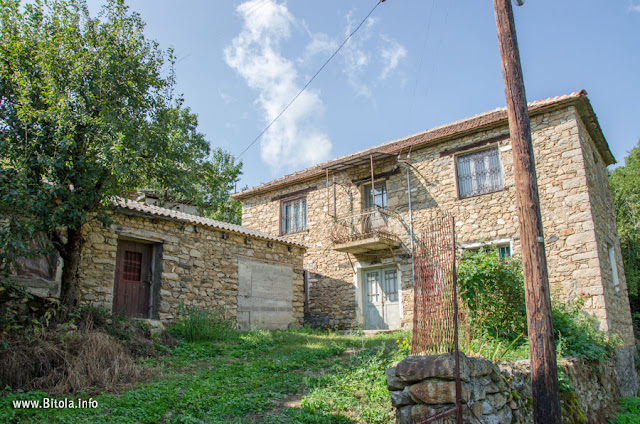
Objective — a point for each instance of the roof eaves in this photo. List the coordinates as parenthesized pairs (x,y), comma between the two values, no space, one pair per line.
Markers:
(172,215)
(479,122)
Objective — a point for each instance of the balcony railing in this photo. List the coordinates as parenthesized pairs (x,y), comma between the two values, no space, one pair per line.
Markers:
(361,226)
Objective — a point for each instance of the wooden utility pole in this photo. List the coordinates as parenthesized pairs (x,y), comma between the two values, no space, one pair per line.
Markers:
(544,373)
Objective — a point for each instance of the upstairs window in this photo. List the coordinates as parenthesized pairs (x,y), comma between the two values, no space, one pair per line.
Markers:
(294,215)
(479,172)
(380,195)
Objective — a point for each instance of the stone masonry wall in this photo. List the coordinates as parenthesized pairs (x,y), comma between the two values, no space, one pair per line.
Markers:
(199,266)
(574,256)
(422,386)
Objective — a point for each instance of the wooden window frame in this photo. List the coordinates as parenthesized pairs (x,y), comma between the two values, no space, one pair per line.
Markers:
(281,217)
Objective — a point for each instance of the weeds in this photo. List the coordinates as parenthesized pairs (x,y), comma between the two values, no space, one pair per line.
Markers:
(197,324)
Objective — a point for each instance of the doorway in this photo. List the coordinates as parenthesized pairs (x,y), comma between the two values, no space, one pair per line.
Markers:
(132,285)
(381,299)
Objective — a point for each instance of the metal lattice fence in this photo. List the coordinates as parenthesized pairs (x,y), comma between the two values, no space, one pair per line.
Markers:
(435,314)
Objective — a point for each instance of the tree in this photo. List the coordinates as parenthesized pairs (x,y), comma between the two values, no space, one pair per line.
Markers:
(87,113)
(625,189)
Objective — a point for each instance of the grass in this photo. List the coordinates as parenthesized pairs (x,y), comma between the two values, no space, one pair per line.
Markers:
(629,411)
(296,376)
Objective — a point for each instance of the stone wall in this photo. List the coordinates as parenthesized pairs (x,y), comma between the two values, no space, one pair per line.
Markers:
(422,386)
(577,219)
(198,267)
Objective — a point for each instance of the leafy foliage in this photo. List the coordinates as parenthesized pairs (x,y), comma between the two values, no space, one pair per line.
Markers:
(86,113)
(629,411)
(577,334)
(625,189)
(493,289)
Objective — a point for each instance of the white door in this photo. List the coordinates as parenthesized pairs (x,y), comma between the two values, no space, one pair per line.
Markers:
(381,300)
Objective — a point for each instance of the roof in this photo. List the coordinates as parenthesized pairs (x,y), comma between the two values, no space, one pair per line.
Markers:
(193,219)
(481,122)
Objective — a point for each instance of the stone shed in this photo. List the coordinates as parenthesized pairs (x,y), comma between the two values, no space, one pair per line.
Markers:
(151,261)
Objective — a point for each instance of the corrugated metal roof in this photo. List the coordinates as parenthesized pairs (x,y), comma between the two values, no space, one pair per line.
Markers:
(443,132)
(185,217)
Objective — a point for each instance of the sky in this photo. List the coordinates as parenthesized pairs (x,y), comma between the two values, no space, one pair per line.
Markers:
(413,65)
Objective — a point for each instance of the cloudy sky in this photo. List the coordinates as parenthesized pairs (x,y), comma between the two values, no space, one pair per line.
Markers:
(413,65)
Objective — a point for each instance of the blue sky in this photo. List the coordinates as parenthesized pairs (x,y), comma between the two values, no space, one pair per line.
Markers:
(414,65)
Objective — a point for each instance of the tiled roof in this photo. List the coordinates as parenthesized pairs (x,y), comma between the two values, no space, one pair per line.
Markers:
(185,217)
(441,133)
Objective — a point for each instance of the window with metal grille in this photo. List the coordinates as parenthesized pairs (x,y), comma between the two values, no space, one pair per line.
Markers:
(294,215)
(132,266)
(380,195)
(479,172)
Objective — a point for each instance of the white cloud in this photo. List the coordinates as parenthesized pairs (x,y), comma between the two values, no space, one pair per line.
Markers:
(634,5)
(356,57)
(392,53)
(365,55)
(294,140)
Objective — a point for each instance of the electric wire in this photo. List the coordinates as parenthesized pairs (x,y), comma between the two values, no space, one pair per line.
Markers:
(424,48)
(310,81)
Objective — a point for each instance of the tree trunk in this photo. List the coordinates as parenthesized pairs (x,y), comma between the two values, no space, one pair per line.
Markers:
(69,295)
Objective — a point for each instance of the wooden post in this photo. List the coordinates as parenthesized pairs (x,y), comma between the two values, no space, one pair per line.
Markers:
(544,374)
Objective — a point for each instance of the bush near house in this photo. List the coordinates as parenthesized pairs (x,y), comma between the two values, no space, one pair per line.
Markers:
(492,289)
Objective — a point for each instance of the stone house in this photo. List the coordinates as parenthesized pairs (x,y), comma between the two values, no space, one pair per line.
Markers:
(150,262)
(359,258)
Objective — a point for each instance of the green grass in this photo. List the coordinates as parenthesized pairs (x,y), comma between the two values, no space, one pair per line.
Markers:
(296,376)
(629,411)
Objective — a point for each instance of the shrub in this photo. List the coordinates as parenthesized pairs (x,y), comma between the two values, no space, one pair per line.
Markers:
(493,290)
(197,324)
(577,334)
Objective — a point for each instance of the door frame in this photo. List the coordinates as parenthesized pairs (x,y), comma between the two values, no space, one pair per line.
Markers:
(156,275)
(359,275)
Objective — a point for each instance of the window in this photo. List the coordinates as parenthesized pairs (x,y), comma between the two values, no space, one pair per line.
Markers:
(380,195)
(294,215)
(504,251)
(501,247)
(479,172)
(614,267)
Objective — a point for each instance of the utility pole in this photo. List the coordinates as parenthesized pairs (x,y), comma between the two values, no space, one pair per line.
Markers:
(544,372)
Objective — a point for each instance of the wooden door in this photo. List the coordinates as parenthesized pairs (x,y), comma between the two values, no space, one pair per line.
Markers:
(381,307)
(373,307)
(132,285)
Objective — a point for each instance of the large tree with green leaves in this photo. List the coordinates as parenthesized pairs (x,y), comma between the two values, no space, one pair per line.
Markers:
(625,189)
(87,113)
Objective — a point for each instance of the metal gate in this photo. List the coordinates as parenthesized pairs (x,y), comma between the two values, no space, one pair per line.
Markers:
(435,313)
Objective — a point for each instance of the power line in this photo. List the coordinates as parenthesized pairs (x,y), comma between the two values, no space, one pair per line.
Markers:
(310,81)
(424,48)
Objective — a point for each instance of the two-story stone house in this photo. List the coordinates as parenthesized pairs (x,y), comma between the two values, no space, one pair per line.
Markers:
(359,240)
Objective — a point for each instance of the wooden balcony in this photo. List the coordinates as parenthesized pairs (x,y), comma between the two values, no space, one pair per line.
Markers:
(363,233)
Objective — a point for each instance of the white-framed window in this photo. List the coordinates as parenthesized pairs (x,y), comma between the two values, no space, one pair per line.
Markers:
(380,195)
(501,247)
(479,172)
(294,215)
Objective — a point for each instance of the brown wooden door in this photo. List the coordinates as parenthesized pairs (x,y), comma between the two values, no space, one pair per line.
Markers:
(132,285)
